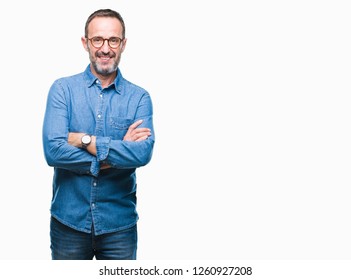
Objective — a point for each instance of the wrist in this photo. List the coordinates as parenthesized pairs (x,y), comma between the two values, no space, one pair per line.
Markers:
(85,141)
(91,148)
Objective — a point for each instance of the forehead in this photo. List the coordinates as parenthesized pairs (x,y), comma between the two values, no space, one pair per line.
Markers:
(105,26)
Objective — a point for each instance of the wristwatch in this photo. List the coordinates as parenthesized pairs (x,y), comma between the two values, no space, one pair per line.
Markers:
(86,140)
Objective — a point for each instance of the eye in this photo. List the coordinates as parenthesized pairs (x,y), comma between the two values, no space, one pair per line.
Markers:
(114,40)
(97,40)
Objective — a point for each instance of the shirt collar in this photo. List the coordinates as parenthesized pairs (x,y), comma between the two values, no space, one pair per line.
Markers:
(91,79)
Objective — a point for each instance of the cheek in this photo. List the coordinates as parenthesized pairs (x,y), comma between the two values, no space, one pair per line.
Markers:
(92,54)
(88,49)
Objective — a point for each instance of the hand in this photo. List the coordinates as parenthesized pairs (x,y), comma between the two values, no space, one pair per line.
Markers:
(74,139)
(105,166)
(136,134)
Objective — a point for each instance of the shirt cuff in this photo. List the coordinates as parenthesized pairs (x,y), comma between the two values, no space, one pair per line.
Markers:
(102,147)
(95,167)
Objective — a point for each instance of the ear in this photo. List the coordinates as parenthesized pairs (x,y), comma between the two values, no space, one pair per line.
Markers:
(84,43)
(124,42)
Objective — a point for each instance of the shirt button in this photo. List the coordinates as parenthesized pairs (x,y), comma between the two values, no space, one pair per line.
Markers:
(93,205)
(99,116)
(94,184)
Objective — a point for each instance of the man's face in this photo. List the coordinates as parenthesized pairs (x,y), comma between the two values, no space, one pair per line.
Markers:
(104,59)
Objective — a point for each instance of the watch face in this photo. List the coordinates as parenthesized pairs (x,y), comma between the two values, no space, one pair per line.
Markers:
(86,139)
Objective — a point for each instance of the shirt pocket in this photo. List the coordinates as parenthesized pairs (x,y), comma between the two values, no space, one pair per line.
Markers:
(119,127)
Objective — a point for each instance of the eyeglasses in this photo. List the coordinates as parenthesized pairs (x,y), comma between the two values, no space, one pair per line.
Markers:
(98,42)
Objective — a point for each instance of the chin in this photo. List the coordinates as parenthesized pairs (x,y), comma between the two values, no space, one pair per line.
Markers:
(105,71)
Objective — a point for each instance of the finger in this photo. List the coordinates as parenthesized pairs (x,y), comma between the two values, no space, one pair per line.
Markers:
(142,138)
(137,132)
(142,135)
(135,125)
(140,130)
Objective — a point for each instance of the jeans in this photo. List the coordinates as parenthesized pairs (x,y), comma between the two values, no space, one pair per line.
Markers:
(70,244)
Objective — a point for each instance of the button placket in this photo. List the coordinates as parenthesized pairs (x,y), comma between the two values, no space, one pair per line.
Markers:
(99,114)
(93,193)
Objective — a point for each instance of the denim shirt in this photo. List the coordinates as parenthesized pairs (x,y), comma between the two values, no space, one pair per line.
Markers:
(84,195)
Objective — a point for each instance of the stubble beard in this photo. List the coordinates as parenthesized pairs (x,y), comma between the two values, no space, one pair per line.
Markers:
(102,69)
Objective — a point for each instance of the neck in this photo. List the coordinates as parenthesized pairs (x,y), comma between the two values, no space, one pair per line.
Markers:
(105,80)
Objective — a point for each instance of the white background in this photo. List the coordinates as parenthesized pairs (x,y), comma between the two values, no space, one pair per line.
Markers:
(252,117)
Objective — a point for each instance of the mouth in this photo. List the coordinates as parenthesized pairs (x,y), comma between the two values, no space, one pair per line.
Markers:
(104,58)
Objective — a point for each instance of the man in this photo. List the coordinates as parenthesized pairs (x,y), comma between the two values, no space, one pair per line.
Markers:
(97,130)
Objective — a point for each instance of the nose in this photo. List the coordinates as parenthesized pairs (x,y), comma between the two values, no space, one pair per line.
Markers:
(105,47)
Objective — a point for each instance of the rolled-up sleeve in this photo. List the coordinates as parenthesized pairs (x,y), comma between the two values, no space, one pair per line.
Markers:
(127,154)
(57,151)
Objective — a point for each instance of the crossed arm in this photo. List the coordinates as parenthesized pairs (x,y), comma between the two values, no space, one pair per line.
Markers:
(133,134)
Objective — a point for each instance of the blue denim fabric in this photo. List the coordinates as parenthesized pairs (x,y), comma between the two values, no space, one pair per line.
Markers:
(83,194)
(69,244)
